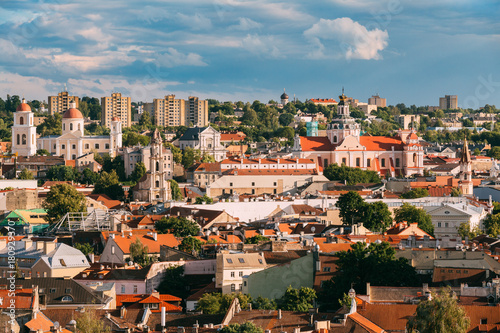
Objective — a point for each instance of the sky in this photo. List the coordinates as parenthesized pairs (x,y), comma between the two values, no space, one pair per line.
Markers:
(408,51)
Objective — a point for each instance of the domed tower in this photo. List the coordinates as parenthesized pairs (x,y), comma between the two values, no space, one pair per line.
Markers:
(115,135)
(343,124)
(23,131)
(284,98)
(72,121)
(465,173)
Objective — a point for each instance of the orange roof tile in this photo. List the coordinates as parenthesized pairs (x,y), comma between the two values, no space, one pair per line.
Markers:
(40,323)
(208,167)
(264,172)
(315,143)
(331,247)
(147,240)
(232,137)
(380,143)
(365,323)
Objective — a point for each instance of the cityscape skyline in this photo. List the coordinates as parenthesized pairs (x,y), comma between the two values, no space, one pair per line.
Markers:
(412,53)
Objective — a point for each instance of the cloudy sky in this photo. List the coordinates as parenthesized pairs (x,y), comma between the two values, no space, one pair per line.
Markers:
(409,51)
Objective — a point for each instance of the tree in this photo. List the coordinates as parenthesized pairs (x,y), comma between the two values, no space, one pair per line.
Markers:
(415,193)
(175,190)
(298,299)
(139,253)
(456,192)
(133,139)
(176,152)
(375,263)
(464,230)
(179,226)
(477,152)
(139,171)
(494,152)
(376,216)
(52,125)
(190,244)
(90,322)
(89,177)
(62,173)
(256,239)
(204,199)
(62,199)
(440,314)
(261,303)
(412,214)
(25,174)
(492,224)
(349,205)
(285,119)
(216,303)
(42,152)
(109,185)
(208,158)
(85,248)
(173,282)
(350,175)
(145,119)
(190,156)
(246,327)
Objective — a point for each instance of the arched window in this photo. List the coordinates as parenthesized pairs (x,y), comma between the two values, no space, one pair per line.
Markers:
(18,141)
(415,158)
(21,121)
(368,162)
(335,138)
(24,139)
(70,127)
(67,299)
(157,166)
(157,183)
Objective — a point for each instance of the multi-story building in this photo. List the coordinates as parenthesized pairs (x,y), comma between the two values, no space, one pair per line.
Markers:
(376,100)
(116,106)
(206,139)
(448,102)
(61,102)
(408,121)
(231,268)
(171,111)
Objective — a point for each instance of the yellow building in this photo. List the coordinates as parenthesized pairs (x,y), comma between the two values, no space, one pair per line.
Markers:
(60,103)
(116,106)
(171,111)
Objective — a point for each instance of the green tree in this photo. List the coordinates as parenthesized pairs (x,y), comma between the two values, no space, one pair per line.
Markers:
(133,139)
(62,173)
(477,152)
(375,263)
(261,303)
(109,185)
(440,314)
(412,214)
(175,190)
(216,303)
(139,171)
(256,239)
(173,282)
(90,322)
(415,193)
(352,176)
(89,177)
(145,119)
(456,192)
(492,225)
(139,253)
(494,152)
(190,244)
(190,156)
(62,199)
(285,119)
(25,174)
(207,158)
(350,205)
(464,230)
(42,152)
(176,152)
(246,327)
(179,226)
(52,125)
(85,248)
(298,299)
(205,198)
(376,216)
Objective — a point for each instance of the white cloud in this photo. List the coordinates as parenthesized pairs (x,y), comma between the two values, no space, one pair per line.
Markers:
(196,21)
(246,24)
(352,38)
(265,45)
(173,58)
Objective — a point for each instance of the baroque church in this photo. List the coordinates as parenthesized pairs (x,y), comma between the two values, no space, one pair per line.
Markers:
(71,144)
(398,155)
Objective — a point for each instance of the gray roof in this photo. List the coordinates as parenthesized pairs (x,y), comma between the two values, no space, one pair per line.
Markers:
(470,264)
(192,133)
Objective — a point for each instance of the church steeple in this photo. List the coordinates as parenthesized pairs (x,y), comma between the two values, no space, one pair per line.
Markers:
(465,174)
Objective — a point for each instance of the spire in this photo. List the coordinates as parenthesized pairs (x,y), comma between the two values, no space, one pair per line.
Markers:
(465,158)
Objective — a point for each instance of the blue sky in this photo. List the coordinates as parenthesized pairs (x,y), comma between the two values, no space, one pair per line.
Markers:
(410,52)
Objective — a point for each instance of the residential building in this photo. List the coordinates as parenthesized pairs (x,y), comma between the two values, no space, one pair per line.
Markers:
(74,143)
(206,139)
(231,268)
(376,100)
(344,144)
(154,185)
(87,161)
(116,106)
(408,121)
(26,221)
(205,174)
(42,259)
(61,102)
(23,131)
(448,102)
(171,111)
(38,165)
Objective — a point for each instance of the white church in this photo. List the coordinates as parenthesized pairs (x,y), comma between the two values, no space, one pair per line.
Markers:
(71,144)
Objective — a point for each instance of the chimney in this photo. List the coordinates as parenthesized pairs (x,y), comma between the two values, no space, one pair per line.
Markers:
(39,245)
(123,312)
(27,243)
(163,316)
(92,258)
(279,314)
(155,236)
(3,243)
(196,327)
(48,247)
(296,330)
(112,236)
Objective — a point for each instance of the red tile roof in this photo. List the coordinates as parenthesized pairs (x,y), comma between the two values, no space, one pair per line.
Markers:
(315,143)
(264,172)
(147,240)
(232,137)
(365,323)
(323,100)
(208,167)
(380,143)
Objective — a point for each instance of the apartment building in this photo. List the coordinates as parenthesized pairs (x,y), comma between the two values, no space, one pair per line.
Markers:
(376,100)
(61,102)
(448,102)
(116,106)
(171,111)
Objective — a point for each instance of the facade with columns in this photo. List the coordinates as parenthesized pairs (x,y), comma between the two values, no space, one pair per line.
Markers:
(344,144)
(74,143)
(23,131)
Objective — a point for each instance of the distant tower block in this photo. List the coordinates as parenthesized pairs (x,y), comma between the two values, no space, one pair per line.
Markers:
(312,128)
(284,98)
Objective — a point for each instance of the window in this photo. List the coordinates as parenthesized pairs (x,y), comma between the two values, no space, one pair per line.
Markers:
(21,121)
(274,191)
(63,146)
(344,160)
(466,271)
(382,163)
(64,127)
(157,183)
(253,191)
(73,147)
(241,260)
(274,184)
(18,139)
(24,139)
(67,299)
(358,161)
(335,138)
(442,271)
(52,290)
(44,274)
(230,184)
(232,274)
(326,269)
(233,287)
(253,183)
(484,321)
(245,283)
(229,260)
(240,274)
(70,127)
(96,146)
(135,289)
(439,224)
(397,162)
(112,249)
(86,146)
(241,286)
(446,224)
(260,261)
(458,271)
(368,163)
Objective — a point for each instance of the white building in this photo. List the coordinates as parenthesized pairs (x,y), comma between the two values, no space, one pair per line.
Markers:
(206,139)
(231,268)
(23,131)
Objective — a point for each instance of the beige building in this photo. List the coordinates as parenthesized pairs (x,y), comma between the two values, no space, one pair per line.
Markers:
(408,121)
(448,102)
(376,100)
(171,111)
(231,268)
(116,106)
(60,103)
